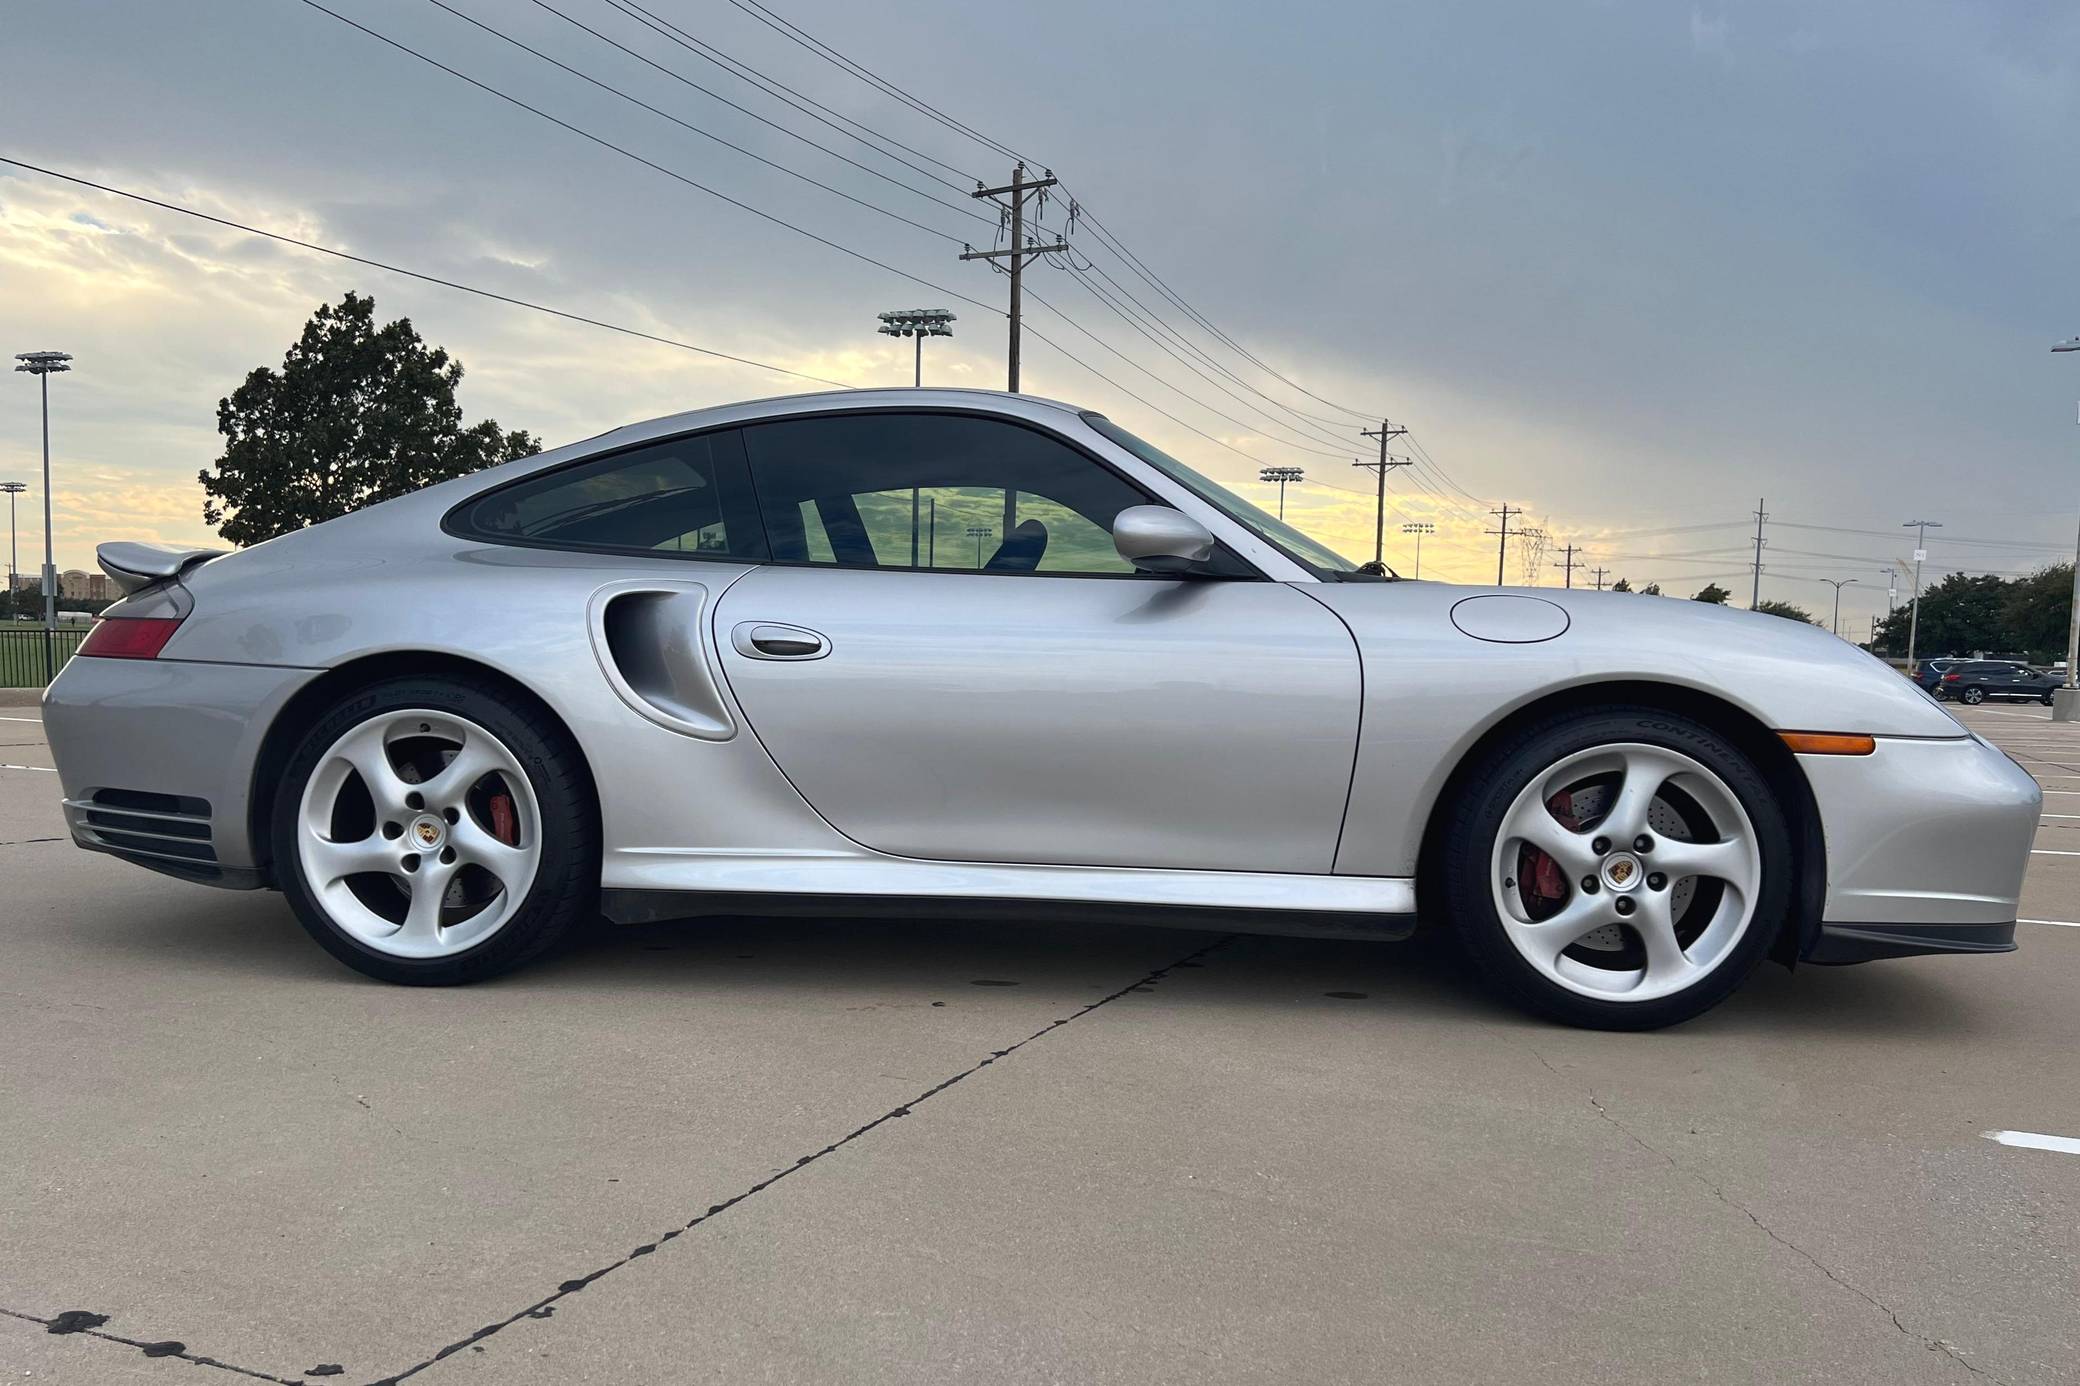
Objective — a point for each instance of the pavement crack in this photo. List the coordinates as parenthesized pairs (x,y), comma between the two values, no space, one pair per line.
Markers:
(90,1325)
(544,1307)
(1937,1345)
(24,842)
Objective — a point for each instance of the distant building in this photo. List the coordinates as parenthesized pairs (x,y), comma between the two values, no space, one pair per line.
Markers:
(73,585)
(78,586)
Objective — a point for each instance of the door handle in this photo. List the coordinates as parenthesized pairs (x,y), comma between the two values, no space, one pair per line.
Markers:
(773,640)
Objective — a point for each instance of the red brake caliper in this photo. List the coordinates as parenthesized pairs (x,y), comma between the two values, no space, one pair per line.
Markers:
(1543,882)
(505,824)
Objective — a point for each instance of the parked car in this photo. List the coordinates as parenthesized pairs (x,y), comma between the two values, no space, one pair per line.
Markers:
(993,656)
(1976,681)
(1930,672)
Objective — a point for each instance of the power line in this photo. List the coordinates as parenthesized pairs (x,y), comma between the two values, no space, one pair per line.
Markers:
(421,276)
(709,134)
(649,19)
(796,34)
(626,153)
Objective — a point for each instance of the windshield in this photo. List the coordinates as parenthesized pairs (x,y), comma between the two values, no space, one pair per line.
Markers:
(1320,558)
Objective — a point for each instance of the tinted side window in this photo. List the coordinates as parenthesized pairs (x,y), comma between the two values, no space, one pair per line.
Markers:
(942,491)
(683,495)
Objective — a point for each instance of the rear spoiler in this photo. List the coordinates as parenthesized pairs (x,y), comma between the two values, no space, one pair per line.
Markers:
(134,567)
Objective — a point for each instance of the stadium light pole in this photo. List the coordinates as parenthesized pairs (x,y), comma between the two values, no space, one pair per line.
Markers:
(979,533)
(1282,475)
(1838,584)
(917,323)
(1419,528)
(2065,703)
(11,489)
(43,365)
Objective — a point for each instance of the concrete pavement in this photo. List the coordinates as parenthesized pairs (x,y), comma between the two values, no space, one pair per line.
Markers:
(799,1151)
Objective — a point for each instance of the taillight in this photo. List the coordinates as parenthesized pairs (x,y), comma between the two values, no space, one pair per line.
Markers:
(129,637)
(1950,678)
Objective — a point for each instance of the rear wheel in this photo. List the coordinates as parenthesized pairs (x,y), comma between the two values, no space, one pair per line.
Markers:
(1623,870)
(1972,697)
(436,831)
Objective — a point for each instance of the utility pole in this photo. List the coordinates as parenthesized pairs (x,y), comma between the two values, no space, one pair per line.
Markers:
(1891,588)
(1018,251)
(43,365)
(1755,594)
(12,489)
(1502,548)
(1568,563)
(1386,431)
(1838,584)
(1921,529)
(1600,574)
(1419,528)
(2065,704)
(1282,475)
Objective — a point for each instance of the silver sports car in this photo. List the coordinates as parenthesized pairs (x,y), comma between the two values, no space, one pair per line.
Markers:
(995,656)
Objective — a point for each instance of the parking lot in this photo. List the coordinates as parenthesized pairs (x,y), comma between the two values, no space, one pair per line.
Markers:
(817,1151)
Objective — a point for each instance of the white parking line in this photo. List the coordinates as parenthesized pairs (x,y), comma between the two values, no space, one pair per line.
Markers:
(2061,923)
(2026,716)
(2050,852)
(49,771)
(2030,1140)
(37,720)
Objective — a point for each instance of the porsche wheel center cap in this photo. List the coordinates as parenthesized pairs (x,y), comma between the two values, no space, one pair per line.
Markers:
(1622,871)
(426,833)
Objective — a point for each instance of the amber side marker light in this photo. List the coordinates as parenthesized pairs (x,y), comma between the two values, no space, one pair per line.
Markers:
(128,637)
(1829,743)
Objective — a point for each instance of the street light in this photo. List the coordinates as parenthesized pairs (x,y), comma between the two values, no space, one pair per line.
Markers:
(979,533)
(919,323)
(1838,584)
(1419,528)
(1921,528)
(43,365)
(1282,475)
(11,489)
(2065,703)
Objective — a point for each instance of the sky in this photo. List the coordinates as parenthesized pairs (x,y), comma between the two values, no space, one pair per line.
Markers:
(1627,266)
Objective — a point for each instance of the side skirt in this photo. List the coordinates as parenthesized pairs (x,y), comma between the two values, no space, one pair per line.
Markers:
(855,887)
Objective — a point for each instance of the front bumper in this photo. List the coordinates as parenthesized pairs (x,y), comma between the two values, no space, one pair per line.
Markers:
(1927,842)
(156,759)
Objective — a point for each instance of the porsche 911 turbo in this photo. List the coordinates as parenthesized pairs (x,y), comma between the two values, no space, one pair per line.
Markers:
(994,656)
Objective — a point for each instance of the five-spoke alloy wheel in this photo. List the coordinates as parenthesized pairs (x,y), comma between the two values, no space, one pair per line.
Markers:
(1623,869)
(436,831)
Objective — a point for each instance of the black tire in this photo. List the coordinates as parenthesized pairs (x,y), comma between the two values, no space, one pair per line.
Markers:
(1972,697)
(564,894)
(1475,816)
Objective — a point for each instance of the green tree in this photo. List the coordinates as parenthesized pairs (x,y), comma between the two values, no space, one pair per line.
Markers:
(2037,611)
(1958,615)
(357,414)
(1713,594)
(1652,589)
(1621,585)
(1786,610)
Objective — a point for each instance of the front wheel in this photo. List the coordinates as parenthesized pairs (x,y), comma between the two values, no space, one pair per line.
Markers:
(1972,697)
(436,831)
(1622,869)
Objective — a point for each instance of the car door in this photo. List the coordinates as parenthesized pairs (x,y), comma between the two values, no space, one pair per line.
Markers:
(949,660)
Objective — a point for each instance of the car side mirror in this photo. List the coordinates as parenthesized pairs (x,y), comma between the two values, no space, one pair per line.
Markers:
(1157,539)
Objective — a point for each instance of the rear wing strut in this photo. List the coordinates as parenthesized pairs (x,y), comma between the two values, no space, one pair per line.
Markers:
(134,567)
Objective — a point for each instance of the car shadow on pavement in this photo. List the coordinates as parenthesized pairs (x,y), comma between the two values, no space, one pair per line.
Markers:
(887,961)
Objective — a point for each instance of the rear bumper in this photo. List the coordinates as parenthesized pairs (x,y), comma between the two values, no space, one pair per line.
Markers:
(1855,943)
(156,758)
(1922,834)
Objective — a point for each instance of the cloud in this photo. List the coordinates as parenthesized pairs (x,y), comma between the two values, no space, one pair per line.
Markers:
(1711,37)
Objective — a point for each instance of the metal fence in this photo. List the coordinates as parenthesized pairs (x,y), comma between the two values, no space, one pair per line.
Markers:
(21,653)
